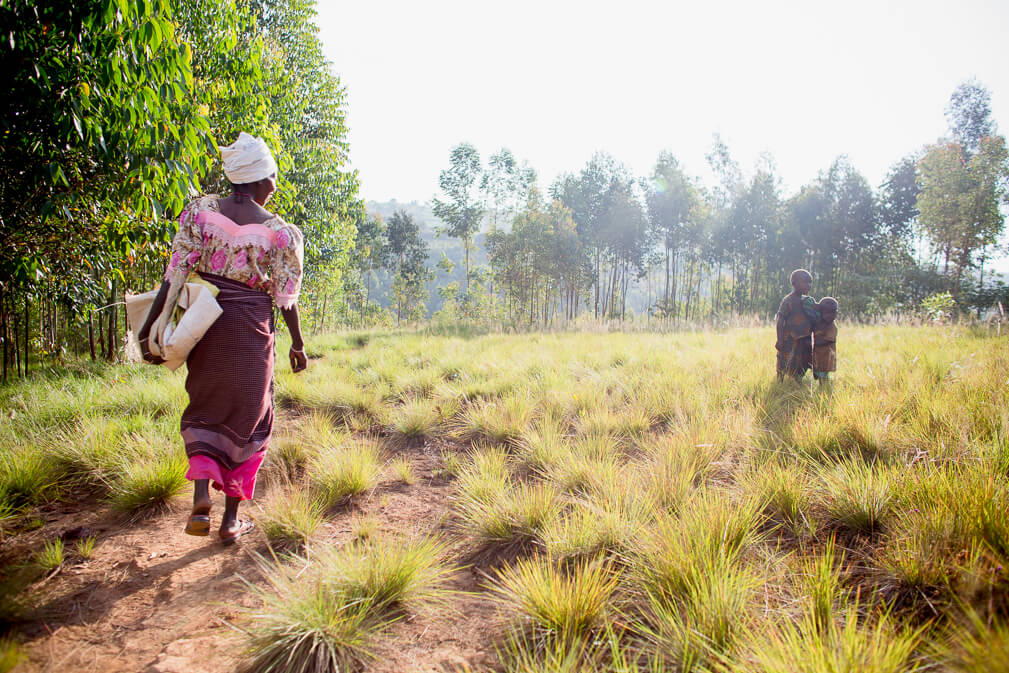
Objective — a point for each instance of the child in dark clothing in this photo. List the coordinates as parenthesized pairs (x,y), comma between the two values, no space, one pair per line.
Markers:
(796,316)
(824,342)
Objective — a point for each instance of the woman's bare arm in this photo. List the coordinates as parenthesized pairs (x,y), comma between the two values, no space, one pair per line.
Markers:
(297,354)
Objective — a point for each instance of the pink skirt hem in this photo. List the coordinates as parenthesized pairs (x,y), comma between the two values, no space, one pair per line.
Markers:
(237,483)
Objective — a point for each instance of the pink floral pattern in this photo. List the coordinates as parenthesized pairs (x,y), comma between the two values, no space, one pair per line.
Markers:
(276,271)
(218,260)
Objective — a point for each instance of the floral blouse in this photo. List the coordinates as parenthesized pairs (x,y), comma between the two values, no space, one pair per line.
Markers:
(266,257)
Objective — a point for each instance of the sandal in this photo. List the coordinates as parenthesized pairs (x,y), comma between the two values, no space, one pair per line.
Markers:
(244,527)
(198,524)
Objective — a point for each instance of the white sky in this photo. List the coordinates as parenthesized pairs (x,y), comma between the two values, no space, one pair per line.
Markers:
(556,81)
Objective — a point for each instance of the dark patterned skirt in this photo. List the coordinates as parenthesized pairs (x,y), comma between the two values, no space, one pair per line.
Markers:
(228,422)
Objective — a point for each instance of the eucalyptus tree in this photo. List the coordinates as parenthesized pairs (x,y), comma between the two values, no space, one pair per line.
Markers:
(505,185)
(964,185)
(100,139)
(960,202)
(589,196)
(671,200)
(460,209)
(406,256)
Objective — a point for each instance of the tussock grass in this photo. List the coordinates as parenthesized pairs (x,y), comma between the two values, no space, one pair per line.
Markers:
(580,473)
(598,525)
(878,645)
(787,491)
(821,580)
(288,458)
(27,477)
(706,620)
(416,419)
(290,518)
(325,615)
(149,485)
(543,446)
(86,547)
(339,473)
(499,421)
(514,515)
(51,555)
(706,539)
(403,471)
(857,495)
(390,572)
(975,646)
(675,457)
(569,601)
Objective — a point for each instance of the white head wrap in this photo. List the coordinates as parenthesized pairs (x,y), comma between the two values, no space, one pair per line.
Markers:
(248,159)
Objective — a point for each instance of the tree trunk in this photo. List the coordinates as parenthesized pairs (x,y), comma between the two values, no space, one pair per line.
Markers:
(27,354)
(91,337)
(3,330)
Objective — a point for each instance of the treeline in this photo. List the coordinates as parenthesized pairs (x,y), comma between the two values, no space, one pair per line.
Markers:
(110,125)
(602,241)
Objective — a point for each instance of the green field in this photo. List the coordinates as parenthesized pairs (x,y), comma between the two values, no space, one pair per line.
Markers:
(632,502)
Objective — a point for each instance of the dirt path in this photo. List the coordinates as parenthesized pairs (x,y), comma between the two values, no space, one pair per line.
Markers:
(155,600)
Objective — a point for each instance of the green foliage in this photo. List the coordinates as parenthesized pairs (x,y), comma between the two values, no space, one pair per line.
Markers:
(938,307)
(461,209)
(86,547)
(114,124)
(51,556)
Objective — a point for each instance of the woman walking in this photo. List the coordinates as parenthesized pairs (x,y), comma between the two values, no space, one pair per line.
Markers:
(254,259)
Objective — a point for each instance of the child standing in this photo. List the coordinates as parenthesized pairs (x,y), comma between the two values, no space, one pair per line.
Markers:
(796,316)
(825,342)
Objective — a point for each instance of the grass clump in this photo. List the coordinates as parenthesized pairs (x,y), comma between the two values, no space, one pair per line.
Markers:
(391,572)
(86,547)
(416,419)
(403,470)
(149,485)
(706,620)
(976,646)
(499,421)
(821,581)
(291,518)
(595,526)
(51,556)
(569,601)
(857,495)
(679,551)
(855,646)
(325,615)
(515,515)
(785,489)
(27,477)
(340,473)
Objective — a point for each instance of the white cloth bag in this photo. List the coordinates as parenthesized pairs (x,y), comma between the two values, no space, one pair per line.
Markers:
(172,338)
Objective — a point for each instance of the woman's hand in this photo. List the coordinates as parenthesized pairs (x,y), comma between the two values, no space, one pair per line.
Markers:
(147,354)
(298,359)
(297,354)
